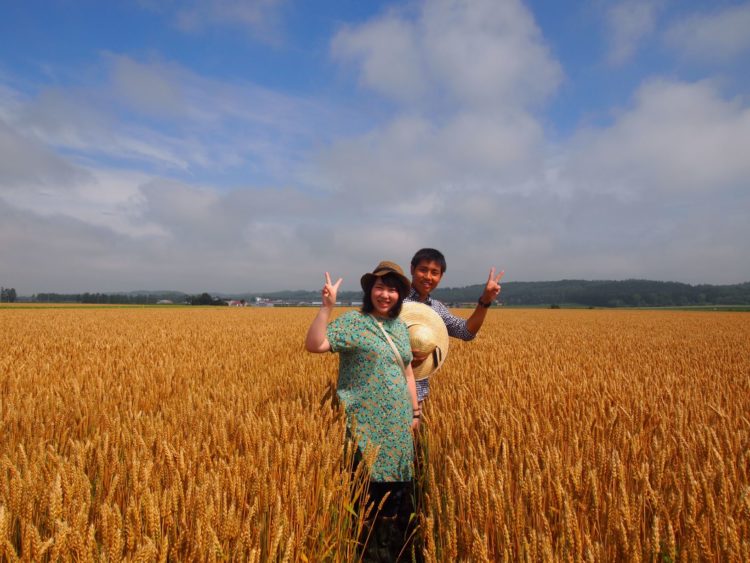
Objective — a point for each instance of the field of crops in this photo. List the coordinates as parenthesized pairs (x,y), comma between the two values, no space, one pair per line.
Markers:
(194,434)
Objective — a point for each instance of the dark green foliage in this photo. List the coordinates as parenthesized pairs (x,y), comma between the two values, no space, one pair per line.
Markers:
(627,293)
(206,299)
(132,298)
(8,295)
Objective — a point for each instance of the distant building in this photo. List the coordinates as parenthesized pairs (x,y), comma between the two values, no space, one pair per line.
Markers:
(165,302)
(237,303)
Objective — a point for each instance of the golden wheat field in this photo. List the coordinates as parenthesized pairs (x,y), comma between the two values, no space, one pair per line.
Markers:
(193,434)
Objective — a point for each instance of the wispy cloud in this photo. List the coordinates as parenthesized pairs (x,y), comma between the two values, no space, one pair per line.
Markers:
(628,24)
(25,162)
(162,115)
(260,19)
(719,34)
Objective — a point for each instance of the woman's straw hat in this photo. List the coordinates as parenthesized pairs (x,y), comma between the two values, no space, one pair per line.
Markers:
(427,334)
(381,270)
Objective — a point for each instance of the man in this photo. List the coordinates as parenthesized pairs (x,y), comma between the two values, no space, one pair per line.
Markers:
(427,269)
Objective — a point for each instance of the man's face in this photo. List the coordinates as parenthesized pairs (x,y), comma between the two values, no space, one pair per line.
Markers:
(425,277)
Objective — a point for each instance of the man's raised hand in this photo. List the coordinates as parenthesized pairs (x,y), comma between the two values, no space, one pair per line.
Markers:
(492,289)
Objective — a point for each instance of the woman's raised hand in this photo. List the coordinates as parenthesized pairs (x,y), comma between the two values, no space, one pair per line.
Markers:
(329,291)
(316,340)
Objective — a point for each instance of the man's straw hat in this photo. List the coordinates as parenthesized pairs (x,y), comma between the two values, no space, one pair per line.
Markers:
(427,334)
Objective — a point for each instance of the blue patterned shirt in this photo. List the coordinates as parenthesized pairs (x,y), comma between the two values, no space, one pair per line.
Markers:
(456,328)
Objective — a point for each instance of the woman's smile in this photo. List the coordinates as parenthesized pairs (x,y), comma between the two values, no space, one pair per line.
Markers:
(383,298)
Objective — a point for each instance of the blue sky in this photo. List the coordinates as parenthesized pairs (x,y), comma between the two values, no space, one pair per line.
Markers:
(229,145)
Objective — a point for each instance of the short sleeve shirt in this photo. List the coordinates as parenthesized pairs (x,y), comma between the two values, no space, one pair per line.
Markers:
(457,328)
(372,388)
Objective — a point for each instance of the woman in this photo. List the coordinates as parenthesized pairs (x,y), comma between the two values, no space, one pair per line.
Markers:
(375,383)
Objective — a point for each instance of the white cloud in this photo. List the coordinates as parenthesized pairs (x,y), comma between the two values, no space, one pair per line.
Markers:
(718,35)
(679,138)
(465,165)
(65,119)
(390,57)
(110,184)
(466,76)
(253,14)
(25,162)
(417,159)
(151,88)
(479,53)
(261,19)
(165,118)
(487,53)
(628,24)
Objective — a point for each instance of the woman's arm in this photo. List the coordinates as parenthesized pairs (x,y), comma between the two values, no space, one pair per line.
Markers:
(316,340)
(412,387)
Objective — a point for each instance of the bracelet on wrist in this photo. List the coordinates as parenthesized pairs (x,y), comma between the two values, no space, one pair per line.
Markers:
(483,304)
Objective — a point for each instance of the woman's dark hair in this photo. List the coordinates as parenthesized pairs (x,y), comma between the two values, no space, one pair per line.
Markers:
(429,255)
(390,280)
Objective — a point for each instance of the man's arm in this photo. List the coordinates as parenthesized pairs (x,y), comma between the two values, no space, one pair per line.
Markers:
(457,326)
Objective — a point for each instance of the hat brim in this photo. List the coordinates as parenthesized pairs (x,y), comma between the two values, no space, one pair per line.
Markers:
(414,314)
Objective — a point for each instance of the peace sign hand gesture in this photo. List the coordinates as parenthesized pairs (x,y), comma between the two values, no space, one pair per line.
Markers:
(492,289)
(329,291)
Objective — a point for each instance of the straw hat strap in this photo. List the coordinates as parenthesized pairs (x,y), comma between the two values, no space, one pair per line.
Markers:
(393,347)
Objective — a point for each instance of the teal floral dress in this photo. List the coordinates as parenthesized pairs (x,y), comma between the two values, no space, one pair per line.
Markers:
(372,388)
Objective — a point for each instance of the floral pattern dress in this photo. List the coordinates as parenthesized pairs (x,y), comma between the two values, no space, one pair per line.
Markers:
(372,388)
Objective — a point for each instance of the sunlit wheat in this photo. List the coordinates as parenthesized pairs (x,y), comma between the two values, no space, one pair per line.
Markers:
(200,434)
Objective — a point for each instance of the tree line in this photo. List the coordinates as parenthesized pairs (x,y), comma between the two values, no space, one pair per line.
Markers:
(8,295)
(627,293)
(135,298)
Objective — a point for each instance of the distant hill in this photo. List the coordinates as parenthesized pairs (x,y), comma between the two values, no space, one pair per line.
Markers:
(627,293)
(603,293)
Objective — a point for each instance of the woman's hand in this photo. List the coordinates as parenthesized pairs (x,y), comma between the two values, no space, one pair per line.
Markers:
(411,387)
(316,340)
(329,291)
(415,424)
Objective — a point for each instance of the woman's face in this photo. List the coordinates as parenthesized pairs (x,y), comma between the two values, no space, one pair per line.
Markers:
(383,298)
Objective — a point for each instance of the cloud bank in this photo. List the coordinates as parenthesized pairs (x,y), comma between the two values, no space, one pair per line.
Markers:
(147,174)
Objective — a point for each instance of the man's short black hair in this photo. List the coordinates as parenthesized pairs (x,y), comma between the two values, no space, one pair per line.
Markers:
(391,280)
(429,255)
